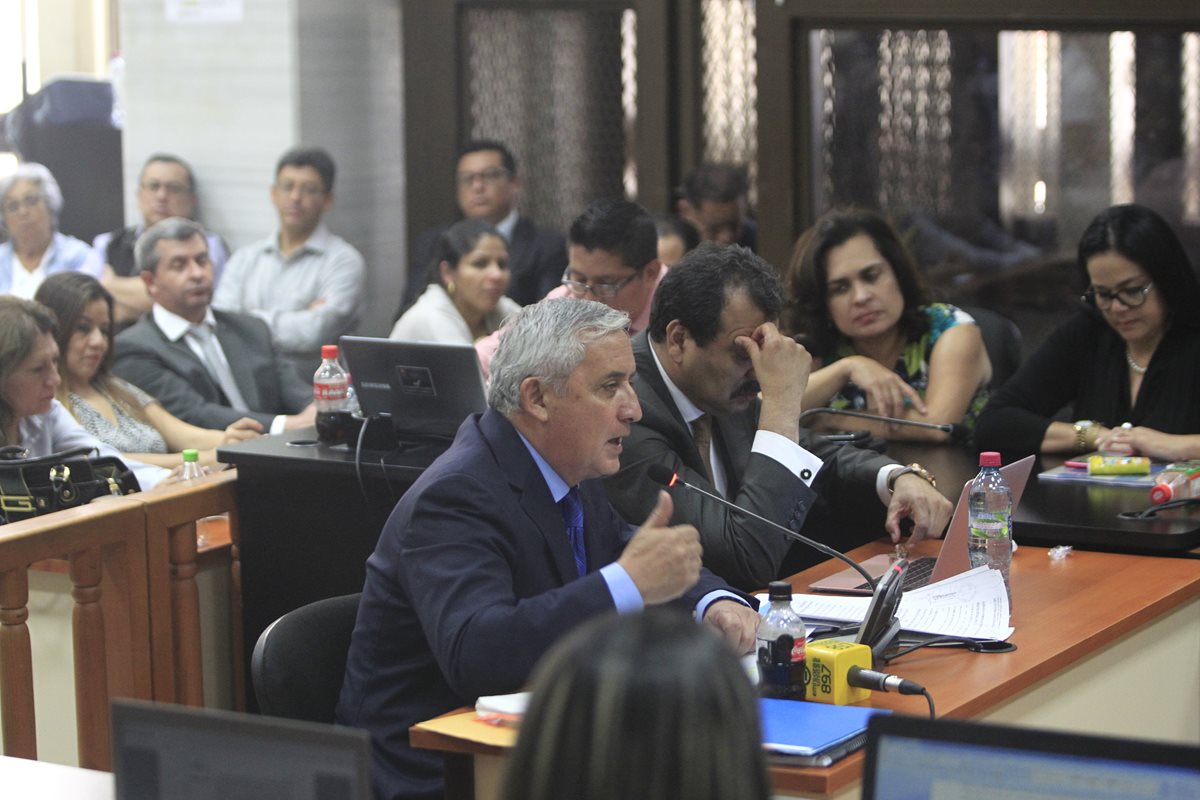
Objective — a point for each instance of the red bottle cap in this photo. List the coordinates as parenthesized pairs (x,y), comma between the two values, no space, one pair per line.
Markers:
(989,458)
(329,351)
(1160,493)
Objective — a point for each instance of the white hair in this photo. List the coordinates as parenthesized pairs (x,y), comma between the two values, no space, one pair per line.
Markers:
(38,174)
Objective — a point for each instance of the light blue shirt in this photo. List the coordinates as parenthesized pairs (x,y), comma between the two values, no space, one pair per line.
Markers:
(624,591)
(65,254)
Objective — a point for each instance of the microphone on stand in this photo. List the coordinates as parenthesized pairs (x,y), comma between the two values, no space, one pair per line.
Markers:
(955,431)
(668,477)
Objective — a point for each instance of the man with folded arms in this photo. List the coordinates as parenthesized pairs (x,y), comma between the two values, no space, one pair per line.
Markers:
(507,541)
(712,346)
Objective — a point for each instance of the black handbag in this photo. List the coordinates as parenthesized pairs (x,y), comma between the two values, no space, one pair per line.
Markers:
(30,487)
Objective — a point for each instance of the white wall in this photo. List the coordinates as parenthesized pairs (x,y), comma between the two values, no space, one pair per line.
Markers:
(231,97)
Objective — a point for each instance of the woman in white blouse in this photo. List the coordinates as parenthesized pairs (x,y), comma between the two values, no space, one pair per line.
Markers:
(464,300)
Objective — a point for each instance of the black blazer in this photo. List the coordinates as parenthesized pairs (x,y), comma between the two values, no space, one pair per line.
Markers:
(737,548)
(173,375)
(472,580)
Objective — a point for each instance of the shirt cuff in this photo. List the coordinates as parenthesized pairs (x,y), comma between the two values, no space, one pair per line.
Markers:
(881,479)
(624,591)
(803,464)
(712,597)
(277,424)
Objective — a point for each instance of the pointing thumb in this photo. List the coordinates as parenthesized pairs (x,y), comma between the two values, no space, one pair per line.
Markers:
(660,516)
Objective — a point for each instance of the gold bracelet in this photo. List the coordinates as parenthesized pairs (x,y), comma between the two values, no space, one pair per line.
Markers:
(913,469)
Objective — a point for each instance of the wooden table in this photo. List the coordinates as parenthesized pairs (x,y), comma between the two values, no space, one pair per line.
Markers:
(1106,643)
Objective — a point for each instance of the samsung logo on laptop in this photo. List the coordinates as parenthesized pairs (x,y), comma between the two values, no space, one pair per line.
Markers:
(372,385)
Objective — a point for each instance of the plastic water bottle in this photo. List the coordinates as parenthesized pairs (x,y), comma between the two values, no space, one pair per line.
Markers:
(191,465)
(990,518)
(1176,482)
(329,392)
(781,644)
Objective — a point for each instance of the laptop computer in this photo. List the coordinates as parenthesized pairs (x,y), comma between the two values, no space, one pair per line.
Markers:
(426,388)
(951,560)
(909,757)
(163,751)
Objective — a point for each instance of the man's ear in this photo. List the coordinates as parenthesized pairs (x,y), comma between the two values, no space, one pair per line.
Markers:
(533,398)
(678,338)
(148,279)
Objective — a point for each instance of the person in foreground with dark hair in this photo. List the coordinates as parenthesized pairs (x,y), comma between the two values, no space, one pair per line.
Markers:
(304,282)
(506,542)
(464,300)
(1128,364)
(488,187)
(711,348)
(646,707)
(878,343)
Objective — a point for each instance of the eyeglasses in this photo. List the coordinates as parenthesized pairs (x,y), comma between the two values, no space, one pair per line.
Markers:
(490,176)
(173,188)
(1130,296)
(598,290)
(29,201)
(306,189)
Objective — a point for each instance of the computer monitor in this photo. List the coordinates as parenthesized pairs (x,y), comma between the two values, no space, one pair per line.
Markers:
(163,751)
(913,757)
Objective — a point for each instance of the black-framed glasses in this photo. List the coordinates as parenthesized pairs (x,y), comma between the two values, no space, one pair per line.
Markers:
(490,176)
(173,188)
(598,290)
(1130,296)
(27,202)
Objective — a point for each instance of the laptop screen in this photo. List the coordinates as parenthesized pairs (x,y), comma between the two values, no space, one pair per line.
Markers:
(909,757)
(168,751)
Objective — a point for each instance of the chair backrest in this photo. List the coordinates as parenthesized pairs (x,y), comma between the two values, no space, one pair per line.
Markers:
(300,660)
(1002,338)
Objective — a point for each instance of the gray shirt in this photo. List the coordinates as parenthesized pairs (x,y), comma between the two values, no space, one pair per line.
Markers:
(258,280)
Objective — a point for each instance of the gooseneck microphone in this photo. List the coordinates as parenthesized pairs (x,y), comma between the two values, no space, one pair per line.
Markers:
(881,681)
(952,430)
(668,477)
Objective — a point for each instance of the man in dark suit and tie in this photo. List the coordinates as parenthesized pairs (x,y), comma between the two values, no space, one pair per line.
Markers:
(209,368)
(487,188)
(507,541)
(712,346)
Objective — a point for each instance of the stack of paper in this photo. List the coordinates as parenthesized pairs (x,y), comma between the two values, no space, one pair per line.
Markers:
(972,604)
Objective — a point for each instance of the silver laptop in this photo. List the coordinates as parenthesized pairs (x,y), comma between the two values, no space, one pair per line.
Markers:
(951,560)
(164,752)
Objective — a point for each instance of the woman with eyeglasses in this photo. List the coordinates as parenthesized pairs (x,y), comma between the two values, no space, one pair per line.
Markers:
(30,202)
(464,300)
(1127,365)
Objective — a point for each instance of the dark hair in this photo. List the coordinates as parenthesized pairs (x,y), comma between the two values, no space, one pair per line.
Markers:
(316,157)
(651,706)
(696,289)
(806,277)
(67,294)
(619,227)
(1142,236)
(478,145)
(167,158)
(21,323)
(675,225)
(718,183)
(456,241)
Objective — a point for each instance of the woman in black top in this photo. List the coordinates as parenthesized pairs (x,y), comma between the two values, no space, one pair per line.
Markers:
(1128,364)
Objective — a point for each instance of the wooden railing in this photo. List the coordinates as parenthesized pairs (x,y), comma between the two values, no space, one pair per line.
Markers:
(136,618)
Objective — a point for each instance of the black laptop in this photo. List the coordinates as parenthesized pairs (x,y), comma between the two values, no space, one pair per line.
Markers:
(163,752)
(915,757)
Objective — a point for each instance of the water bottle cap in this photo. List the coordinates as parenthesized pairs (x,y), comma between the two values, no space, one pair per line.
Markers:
(989,458)
(779,590)
(191,455)
(329,351)
(1161,493)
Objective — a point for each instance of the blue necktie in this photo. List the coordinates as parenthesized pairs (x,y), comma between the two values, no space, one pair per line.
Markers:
(572,511)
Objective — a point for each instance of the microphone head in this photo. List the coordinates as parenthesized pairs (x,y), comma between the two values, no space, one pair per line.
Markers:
(661,474)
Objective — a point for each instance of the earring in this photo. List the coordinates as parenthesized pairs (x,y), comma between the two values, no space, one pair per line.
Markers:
(450,288)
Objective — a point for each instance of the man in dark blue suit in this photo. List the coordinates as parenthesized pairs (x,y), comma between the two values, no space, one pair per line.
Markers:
(485,561)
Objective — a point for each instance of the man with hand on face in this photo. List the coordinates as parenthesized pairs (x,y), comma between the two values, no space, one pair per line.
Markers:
(712,346)
(507,541)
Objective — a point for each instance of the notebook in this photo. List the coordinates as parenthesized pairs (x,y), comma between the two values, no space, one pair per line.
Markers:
(951,560)
(910,757)
(813,734)
(163,751)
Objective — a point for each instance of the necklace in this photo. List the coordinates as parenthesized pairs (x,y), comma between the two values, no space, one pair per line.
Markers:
(1133,365)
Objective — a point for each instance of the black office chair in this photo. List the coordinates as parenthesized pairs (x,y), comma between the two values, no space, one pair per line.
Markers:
(300,659)
(1002,338)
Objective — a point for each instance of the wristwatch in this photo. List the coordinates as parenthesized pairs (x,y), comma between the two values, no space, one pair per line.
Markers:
(1085,434)
(914,469)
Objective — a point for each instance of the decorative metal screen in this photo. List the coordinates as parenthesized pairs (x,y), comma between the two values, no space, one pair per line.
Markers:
(730,96)
(548,82)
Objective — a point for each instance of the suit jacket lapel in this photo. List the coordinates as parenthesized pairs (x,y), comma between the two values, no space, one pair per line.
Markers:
(659,409)
(183,354)
(233,345)
(533,493)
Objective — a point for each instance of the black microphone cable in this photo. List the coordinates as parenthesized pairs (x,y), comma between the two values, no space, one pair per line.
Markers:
(885,682)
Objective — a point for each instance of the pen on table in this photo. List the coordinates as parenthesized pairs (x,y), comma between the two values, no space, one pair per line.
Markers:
(1075,464)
